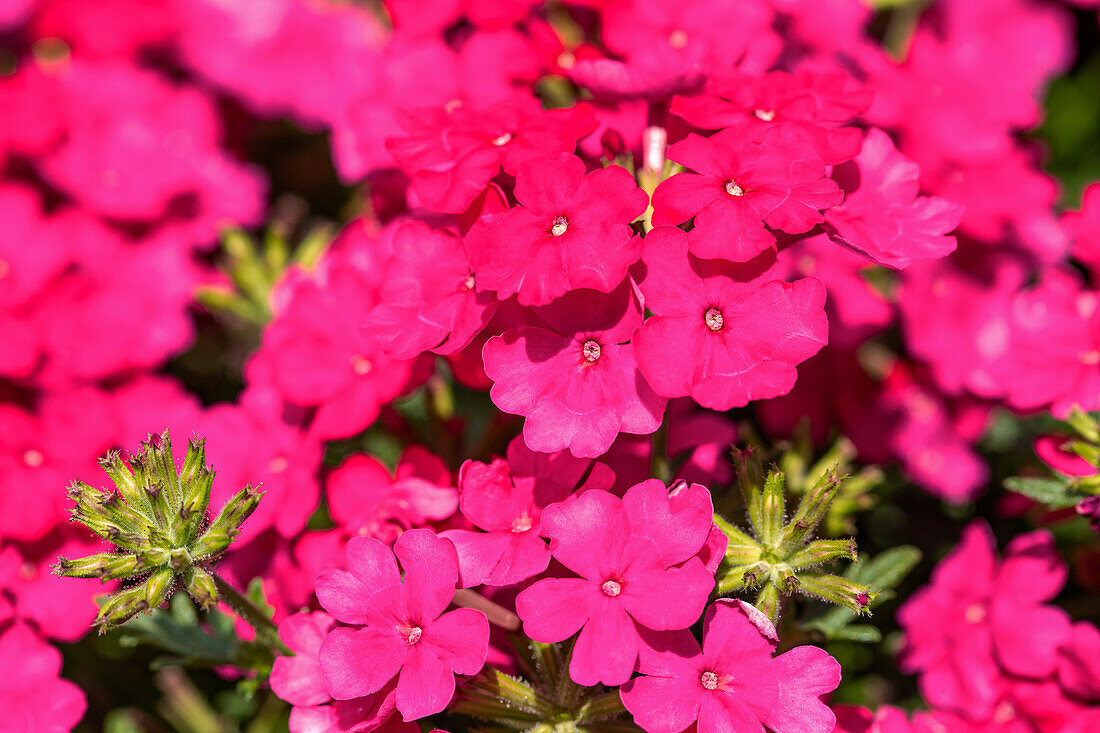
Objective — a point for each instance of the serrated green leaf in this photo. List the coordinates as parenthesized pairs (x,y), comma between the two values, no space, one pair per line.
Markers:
(1053,492)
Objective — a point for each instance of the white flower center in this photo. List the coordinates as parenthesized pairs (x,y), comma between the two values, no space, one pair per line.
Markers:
(361,365)
(559,227)
(765,115)
(733,189)
(611,588)
(709,680)
(591,351)
(413,634)
(714,319)
(975,614)
(33,458)
(503,139)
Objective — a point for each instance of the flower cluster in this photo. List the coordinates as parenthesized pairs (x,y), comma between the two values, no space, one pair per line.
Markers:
(529,270)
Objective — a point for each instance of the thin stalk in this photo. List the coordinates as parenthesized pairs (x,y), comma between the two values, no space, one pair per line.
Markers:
(265,628)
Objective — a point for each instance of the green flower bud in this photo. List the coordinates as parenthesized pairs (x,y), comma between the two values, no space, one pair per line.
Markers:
(776,554)
(154,516)
(838,590)
(200,584)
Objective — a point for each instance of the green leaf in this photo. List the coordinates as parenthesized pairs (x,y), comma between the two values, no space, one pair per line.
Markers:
(886,570)
(1050,491)
(863,633)
(178,632)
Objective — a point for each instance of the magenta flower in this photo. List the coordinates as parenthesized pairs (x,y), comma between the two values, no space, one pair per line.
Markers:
(427,301)
(855,308)
(575,378)
(882,215)
(1079,662)
(814,103)
(366,500)
(452,154)
(571,231)
(318,352)
(742,185)
(135,143)
(510,549)
(299,681)
(1083,227)
(405,633)
(731,683)
(506,499)
(981,620)
(636,560)
(723,334)
(34,696)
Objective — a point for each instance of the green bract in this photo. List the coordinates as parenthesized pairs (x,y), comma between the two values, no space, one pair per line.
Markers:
(156,519)
(778,556)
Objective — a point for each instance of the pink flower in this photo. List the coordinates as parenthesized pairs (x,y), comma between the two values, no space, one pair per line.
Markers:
(882,215)
(636,560)
(106,28)
(34,697)
(59,608)
(261,53)
(318,353)
(571,231)
(42,452)
(731,683)
(254,448)
(575,378)
(451,154)
(135,144)
(510,549)
(506,499)
(742,185)
(930,433)
(1053,346)
(406,634)
(366,500)
(722,333)
(669,39)
(980,620)
(1079,662)
(427,301)
(299,681)
(814,103)
(856,309)
(955,318)
(1083,227)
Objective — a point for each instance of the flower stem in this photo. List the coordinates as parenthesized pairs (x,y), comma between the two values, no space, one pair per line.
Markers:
(265,628)
(658,460)
(498,615)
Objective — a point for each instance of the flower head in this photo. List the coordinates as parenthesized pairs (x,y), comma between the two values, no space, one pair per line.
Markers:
(744,184)
(723,334)
(732,682)
(403,632)
(574,376)
(571,231)
(635,558)
(156,518)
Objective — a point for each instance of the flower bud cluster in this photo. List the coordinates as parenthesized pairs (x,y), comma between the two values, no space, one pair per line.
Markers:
(155,516)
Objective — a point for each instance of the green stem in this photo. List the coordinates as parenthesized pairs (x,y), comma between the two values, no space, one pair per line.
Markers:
(658,461)
(266,630)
